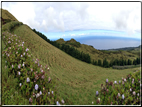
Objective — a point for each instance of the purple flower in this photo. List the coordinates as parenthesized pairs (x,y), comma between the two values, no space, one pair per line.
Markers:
(9,41)
(28,79)
(40,93)
(27,49)
(36,87)
(31,69)
(43,77)
(57,103)
(21,55)
(30,100)
(106,80)
(119,82)
(24,53)
(97,93)
(23,42)
(19,66)
(12,66)
(52,92)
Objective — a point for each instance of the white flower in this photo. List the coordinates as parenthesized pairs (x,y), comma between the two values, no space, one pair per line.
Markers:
(5,61)
(16,43)
(125,80)
(42,70)
(20,84)
(37,95)
(12,66)
(31,69)
(118,94)
(21,55)
(130,89)
(19,66)
(23,42)
(48,92)
(115,82)
(40,93)
(23,64)
(19,73)
(134,93)
(106,80)
(99,99)
(16,52)
(24,53)
(133,79)
(28,79)
(138,94)
(52,92)
(92,102)
(36,87)
(62,101)
(48,68)
(123,96)
(30,100)
(22,45)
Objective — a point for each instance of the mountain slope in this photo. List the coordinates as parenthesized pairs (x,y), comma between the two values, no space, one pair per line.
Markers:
(73,76)
(77,80)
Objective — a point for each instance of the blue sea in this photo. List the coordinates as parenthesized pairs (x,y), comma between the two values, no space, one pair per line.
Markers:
(107,42)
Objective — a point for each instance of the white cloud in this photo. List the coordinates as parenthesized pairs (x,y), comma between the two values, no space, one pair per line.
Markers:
(68,16)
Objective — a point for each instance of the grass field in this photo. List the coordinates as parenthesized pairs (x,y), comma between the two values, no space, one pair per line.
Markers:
(77,81)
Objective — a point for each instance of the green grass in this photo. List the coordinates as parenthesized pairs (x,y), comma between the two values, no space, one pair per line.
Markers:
(77,81)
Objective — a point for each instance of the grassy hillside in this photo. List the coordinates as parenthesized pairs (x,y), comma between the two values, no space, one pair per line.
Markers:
(102,54)
(77,81)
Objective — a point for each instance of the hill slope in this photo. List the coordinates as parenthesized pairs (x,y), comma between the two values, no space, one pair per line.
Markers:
(77,80)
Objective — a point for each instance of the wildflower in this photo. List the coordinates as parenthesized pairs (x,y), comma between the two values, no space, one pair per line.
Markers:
(48,92)
(123,96)
(5,67)
(37,95)
(19,73)
(62,101)
(138,94)
(115,82)
(22,45)
(23,64)
(33,94)
(24,53)
(134,93)
(118,94)
(30,100)
(133,79)
(27,49)
(130,89)
(40,93)
(49,79)
(57,103)
(92,102)
(19,66)
(12,66)
(48,68)
(119,82)
(21,55)
(97,93)
(99,99)
(52,92)
(40,65)
(9,41)
(106,80)
(31,69)
(20,84)
(42,70)
(132,82)
(23,42)
(16,52)
(5,61)
(36,87)
(28,79)
(125,80)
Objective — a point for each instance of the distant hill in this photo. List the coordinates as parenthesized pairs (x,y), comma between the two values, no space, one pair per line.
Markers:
(126,48)
(102,54)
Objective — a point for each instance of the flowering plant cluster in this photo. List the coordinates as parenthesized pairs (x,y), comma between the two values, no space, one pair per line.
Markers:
(125,92)
(33,79)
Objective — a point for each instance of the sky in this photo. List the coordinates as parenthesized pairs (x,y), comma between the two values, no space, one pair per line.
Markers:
(79,19)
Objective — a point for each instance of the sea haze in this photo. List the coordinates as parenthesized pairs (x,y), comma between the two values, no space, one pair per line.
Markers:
(108,42)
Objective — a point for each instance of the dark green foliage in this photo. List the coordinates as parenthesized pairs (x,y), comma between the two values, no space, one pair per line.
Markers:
(99,62)
(105,63)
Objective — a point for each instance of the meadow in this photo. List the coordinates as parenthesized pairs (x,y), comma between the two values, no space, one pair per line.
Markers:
(76,82)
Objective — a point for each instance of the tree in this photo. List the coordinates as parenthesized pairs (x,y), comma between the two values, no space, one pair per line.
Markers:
(99,62)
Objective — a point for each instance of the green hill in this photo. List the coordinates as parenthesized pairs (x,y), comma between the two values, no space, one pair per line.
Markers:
(77,81)
(101,54)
